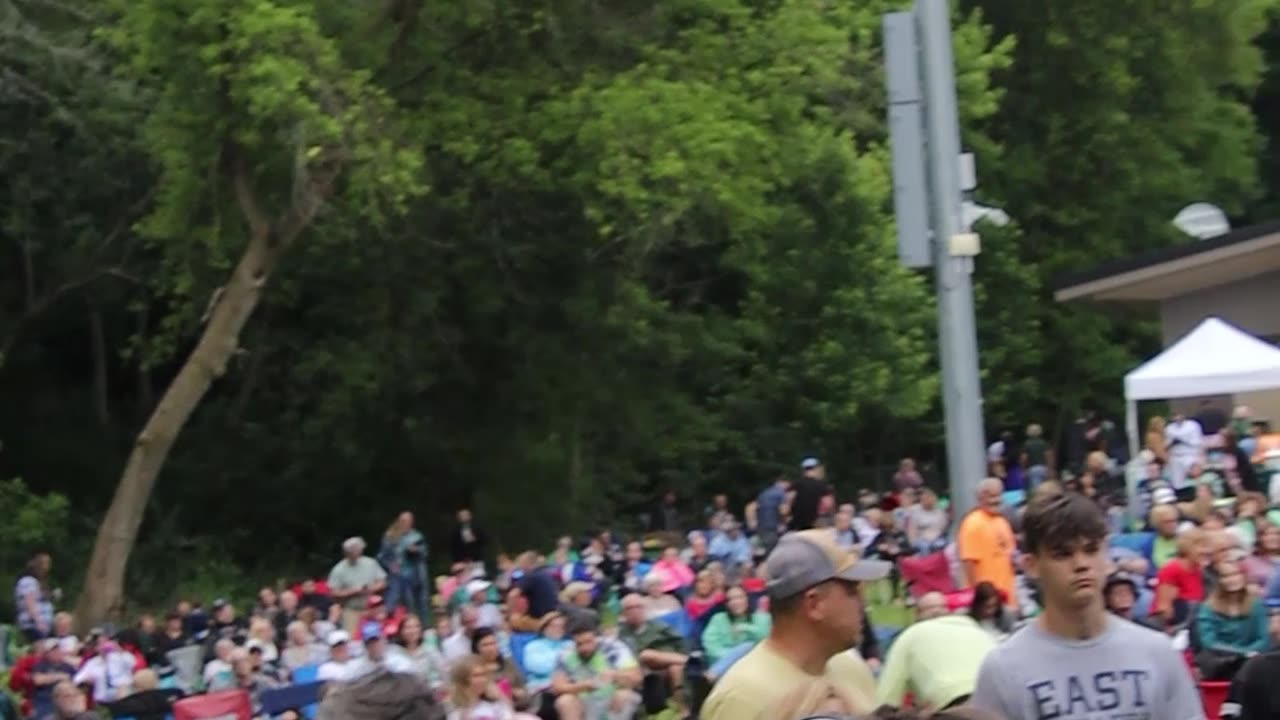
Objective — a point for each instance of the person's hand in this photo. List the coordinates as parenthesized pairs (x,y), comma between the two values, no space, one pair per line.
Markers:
(617,701)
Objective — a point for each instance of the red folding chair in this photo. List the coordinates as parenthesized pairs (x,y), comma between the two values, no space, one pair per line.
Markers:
(1213,694)
(225,704)
(927,573)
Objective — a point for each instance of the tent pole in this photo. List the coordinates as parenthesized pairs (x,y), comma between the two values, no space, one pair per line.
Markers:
(1131,426)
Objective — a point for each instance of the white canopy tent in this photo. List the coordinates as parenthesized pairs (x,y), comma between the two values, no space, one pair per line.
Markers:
(1216,358)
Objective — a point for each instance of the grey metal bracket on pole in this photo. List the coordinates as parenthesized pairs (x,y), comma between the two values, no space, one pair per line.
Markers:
(925,134)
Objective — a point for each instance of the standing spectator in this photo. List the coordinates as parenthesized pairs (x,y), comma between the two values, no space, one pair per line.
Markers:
(816,602)
(353,580)
(404,553)
(468,543)
(810,489)
(769,511)
(1037,457)
(666,517)
(34,600)
(986,542)
(1075,657)
(907,477)
(1184,440)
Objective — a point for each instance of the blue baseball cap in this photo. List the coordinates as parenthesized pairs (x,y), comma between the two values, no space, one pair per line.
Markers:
(810,463)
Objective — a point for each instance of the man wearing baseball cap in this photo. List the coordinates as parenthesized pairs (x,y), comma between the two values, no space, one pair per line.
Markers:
(815,597)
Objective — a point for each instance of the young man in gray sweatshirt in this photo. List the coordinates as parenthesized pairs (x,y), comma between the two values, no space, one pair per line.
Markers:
(1076,661)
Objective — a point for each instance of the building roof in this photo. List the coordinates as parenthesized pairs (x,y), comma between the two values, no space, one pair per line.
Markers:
(1178,270)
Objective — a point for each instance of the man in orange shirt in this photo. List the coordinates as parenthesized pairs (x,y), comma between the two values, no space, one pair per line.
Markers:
(986,542)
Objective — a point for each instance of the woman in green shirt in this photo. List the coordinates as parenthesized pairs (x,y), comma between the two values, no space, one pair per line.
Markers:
(736,626)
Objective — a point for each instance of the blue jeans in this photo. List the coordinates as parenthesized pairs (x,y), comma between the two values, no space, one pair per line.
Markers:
(721,666)
(409,591)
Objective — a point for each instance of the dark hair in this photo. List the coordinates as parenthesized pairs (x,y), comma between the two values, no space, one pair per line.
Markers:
(1059,519)
(983,592)
(581,624)
(479,634)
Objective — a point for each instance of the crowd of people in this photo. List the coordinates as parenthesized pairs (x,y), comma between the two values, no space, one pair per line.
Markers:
(1053,605)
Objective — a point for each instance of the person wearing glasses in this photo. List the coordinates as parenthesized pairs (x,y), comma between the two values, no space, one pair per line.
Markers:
(1076,660)
(815,598)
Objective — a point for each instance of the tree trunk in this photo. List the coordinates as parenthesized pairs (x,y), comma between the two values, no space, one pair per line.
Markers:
(103,596)
(98,353)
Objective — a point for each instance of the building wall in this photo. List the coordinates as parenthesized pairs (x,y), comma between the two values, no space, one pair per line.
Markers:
(1252,305)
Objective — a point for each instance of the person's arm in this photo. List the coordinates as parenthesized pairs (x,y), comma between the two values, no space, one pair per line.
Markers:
(562,685)
(379,579)
(894,679)
(338,590)
(966,541)
(1261,637)
(41,679)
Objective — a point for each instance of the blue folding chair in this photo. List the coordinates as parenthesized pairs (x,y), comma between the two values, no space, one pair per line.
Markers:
(518,641)
(305,674)
(304,697)
(679,621)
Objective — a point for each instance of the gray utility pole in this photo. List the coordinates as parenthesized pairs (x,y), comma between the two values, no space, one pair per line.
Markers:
(930,178)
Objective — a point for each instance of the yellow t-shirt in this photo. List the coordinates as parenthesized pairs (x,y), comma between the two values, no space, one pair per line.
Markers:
(936,660)
(758,684)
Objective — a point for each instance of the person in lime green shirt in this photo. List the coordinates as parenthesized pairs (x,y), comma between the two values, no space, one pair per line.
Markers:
(936,660)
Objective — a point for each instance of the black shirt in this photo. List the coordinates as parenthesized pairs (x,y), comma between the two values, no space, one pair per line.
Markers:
(539,588)
(804,507)
(1254,693)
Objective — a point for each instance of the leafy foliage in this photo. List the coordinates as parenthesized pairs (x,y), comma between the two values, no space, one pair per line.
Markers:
(571,253)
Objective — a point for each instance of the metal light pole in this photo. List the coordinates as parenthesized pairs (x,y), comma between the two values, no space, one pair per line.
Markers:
(925,134)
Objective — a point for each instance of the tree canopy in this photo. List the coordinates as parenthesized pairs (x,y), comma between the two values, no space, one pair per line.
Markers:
(545,259)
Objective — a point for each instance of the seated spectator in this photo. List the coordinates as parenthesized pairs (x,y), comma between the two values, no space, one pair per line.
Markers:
(517,612)
(311,595)
(1164,543)
(926,524)
(542,654)
(1260,567)
(458,645)
(1231,625)
(730,546)
(734,628)
(148,701)
(337,667)
(633,568)
(660,650)
(503,673)
(70,703)
(988,610)
(301,649)
(1254,694)
(596,679)
(423,658)
(537,584)
(1120,593)
(262,634)
(1181,581)
(846,536)
(472,694)
(248,679)
(676,573)
(172,636)
(448,586)
(657,601)
(109,671)
(51,669)
(288,612)
(575,604)
(224,624)
(218,674)
(377,656)
(488,614)
(697,556)
(705,596)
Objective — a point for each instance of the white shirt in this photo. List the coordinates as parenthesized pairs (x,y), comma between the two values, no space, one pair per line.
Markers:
(455,647)
(111,675)
(483,710)
(1189,439)
(393,662)
(334,671)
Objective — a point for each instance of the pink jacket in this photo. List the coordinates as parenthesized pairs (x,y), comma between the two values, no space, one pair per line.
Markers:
(676,574)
